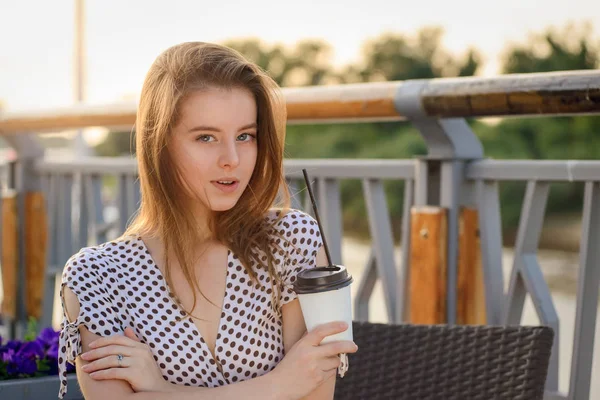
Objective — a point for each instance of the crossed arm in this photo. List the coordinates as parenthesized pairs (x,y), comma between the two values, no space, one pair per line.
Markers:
(263,387)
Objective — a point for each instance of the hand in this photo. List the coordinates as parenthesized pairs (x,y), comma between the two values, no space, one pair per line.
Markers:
(138,366)
(307,365)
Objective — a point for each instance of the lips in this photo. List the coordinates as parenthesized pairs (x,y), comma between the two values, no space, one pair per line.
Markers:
(226,185)
(226,181)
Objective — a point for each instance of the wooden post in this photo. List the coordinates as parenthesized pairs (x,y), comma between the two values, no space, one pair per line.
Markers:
(428,276)
(471,295)
(36,238)
(10,256)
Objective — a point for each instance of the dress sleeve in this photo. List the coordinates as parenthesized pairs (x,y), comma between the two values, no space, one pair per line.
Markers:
(302,241)
(85,275)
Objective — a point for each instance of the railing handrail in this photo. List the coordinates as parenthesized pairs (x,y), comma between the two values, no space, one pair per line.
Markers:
(554,93)
(318,168)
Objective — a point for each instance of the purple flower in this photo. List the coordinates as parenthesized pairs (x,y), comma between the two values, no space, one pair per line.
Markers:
(21,365)
(52,352)
(34,357)
(7,355)
(32,350)
(48,336)
(13,344)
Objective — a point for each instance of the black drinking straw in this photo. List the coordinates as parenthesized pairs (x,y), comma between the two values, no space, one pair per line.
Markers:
(314,205)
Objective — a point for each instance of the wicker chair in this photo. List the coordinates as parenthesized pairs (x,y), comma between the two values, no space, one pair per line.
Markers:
(441,362)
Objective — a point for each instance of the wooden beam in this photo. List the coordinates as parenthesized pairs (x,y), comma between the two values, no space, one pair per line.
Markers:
(36,243)
(428,256)
(10,256)
(550,93)
(471,295)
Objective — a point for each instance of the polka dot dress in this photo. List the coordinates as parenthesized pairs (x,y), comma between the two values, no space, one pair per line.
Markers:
(119,285)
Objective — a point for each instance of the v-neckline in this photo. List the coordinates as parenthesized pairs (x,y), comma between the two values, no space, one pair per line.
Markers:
(214,356)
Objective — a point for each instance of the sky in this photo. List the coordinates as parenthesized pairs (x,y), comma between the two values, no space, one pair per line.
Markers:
(123,37)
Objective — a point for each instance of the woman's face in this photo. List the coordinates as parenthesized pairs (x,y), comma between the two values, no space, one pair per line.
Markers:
(214,146)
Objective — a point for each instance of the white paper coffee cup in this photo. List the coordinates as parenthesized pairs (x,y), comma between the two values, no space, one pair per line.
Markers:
(324,294)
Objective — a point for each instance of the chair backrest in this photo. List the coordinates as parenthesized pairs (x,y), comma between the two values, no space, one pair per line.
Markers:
(443,362)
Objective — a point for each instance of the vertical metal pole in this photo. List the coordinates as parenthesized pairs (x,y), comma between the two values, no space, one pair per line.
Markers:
(587,295)
(452,173)
(365,289)
(491,249)
(84,212)
(122,204)
(403,298)
(331,209)
(17,329)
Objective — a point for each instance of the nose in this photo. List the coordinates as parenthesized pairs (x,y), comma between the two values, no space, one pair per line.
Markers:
(229,157)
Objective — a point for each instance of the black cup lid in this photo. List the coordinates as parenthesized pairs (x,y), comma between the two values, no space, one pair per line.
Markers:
(322,279)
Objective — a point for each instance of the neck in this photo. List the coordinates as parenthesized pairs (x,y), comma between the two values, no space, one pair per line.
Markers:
(202,217)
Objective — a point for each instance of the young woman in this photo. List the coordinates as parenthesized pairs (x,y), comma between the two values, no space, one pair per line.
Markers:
(196,300)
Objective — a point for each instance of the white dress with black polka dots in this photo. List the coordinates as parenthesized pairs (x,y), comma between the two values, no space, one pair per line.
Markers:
(119,285)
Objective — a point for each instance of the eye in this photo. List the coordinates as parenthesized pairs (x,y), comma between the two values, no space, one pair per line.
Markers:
(246,137)
(204,138)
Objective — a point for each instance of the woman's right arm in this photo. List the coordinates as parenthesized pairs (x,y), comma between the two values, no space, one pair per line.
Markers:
(116,389)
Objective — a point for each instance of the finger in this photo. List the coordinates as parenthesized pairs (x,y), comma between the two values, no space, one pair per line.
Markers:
(316,336)
(335,348)
(330,363)
(112,373)
(130,333)
(116,339)
(107,351)
(106,363)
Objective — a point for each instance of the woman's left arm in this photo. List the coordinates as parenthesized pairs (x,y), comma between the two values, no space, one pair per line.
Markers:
(294,328)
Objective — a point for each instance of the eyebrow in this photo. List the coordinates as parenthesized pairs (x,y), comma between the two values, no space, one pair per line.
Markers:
(206,128)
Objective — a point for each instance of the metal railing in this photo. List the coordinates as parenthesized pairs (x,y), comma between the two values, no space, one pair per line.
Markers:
(453,175)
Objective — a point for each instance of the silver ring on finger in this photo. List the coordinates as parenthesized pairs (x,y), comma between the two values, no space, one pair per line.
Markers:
(120,359)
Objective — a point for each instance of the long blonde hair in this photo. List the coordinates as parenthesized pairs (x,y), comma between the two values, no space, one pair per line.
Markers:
(177,72)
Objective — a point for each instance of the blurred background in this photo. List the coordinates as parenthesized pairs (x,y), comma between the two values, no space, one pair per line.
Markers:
(56,54)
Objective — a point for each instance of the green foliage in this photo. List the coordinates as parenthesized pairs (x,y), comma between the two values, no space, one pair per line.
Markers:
(32,330)
(569,48)
(399,57)
(308,63)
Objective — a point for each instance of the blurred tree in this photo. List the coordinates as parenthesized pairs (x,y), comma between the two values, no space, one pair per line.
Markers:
(274,60)
(313,59)
(569,48)
(398,57)
(307,63)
